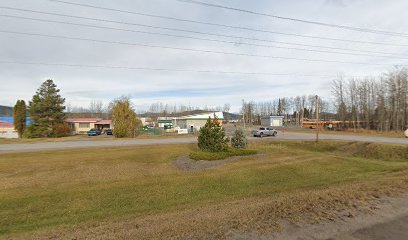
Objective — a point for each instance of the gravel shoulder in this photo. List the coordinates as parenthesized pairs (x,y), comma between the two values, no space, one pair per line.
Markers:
(387,219)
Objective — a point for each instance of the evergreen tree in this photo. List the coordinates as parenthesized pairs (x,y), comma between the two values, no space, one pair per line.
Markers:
(19,116)
(239,139)
(124,119)
(279,108)
(212,137)
(46,110)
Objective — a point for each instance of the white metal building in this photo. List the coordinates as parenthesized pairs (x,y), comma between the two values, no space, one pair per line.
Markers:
(272,121)
(165,122)
(194,122)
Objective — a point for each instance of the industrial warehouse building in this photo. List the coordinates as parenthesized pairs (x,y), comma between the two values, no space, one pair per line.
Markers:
(165,122)
(193,123)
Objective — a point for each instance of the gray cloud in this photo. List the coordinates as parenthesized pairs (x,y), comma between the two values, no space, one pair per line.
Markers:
(81,85)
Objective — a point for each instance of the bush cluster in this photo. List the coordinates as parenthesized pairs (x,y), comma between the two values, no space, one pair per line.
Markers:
(238,140)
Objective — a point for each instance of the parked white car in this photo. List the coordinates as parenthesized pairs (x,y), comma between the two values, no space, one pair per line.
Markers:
(264,131)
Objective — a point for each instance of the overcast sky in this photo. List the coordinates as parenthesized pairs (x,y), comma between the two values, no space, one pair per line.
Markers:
(80,85)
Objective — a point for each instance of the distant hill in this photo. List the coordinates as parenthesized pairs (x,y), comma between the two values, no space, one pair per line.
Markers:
(6,111)
(232,116)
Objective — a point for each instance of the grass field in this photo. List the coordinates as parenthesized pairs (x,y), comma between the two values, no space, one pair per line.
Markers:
(231,152)
(357,132)
(138,193)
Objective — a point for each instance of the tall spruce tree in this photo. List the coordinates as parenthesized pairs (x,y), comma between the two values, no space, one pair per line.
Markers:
(212,137)
(19,116)
(46,110)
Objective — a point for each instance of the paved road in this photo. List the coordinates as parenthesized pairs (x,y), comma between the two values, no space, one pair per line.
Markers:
(20,147)
(28,147)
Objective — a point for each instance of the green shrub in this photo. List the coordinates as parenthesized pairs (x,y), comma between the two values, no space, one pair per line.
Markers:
(61,130)
(204,155)
(212,137)
(37,131)
(239,139)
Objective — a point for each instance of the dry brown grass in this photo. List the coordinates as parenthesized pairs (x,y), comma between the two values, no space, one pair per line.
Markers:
(260,215)
(137,193)
(356,132)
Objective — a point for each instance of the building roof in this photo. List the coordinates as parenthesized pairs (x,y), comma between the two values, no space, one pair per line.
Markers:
(104,122)
(165,118)
(88,120)
(202,116)
(273,117)
(11,120)
(6,124)
(82,120)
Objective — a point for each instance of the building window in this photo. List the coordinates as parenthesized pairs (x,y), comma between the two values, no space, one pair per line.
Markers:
(84,125)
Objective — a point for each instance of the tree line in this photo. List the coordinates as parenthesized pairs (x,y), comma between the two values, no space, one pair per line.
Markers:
(295,109)
(378,103)
(375,103)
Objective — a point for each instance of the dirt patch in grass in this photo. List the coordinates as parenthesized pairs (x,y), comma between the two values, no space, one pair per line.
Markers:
(185,163)
(210,156)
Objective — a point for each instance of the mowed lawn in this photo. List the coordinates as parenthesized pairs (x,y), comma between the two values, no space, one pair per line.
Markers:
(42,191)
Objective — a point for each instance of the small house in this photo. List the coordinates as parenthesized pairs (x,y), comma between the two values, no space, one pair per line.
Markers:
(272,121)
(7,130)
(83,125)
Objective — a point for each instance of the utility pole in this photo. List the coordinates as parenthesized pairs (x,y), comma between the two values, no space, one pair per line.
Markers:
(243,111)
(317,119)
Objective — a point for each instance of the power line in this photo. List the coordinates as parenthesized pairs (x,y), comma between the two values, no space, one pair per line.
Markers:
(190,49)
(191,31)
(203,39)
(195,32)
(358,29)
(163,69)
(219,24)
